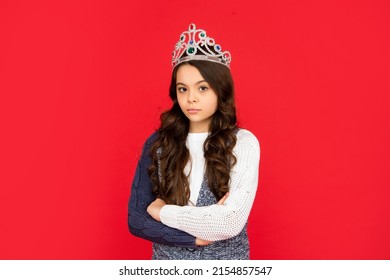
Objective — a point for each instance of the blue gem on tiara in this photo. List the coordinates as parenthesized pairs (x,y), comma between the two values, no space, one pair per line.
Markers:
(194,44)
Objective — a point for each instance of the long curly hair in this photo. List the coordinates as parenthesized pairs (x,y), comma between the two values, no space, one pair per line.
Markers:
(170,154)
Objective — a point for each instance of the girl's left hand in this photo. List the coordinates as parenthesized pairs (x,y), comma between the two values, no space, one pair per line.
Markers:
(155,207)
(223,199)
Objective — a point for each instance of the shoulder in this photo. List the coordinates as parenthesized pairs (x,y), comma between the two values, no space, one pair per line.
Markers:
(247,140)
(152,138)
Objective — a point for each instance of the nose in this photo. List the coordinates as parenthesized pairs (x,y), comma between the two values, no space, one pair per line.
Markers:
(192,98)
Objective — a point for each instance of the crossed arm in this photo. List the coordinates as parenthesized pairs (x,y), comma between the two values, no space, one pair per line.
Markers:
(140,222)
(227,218)
(188,226)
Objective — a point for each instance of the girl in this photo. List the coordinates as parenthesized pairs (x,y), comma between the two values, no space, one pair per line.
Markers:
(197,177)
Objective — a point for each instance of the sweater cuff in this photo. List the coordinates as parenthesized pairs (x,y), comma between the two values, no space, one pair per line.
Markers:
(168,215)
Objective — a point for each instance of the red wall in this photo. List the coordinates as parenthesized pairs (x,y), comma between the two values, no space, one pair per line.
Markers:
(82,85)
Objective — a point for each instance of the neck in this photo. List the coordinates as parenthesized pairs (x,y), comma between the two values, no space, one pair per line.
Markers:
(199,127)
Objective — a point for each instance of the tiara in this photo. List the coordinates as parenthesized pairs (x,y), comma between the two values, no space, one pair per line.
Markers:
(194,44)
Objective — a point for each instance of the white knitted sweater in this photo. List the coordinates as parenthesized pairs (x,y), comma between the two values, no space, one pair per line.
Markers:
(219,222)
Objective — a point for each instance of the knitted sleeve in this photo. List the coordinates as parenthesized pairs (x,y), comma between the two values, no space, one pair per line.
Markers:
(140,223)
(219,222)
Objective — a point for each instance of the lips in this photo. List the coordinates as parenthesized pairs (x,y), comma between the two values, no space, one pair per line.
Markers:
(193,111)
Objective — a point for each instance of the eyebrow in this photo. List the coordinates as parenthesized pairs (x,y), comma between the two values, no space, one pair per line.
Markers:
(183,84)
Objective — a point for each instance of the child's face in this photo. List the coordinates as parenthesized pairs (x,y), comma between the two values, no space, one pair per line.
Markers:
(196,98)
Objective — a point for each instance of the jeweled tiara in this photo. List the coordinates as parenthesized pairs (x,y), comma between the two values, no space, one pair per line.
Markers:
(194,44)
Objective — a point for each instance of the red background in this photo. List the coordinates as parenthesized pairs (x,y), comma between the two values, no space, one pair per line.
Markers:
(82,85)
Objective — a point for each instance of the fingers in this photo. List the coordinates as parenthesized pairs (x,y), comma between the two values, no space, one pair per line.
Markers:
(154,208)
(159,201)
(201,242)
(223,199)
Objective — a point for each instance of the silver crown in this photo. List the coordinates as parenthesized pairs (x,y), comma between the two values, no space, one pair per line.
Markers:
(194,44)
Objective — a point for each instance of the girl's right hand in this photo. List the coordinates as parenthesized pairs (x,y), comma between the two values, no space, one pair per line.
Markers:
(201,242)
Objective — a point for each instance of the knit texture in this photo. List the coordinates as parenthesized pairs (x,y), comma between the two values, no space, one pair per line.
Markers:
(140,223)
(224,224)
(220,222)
(236,248)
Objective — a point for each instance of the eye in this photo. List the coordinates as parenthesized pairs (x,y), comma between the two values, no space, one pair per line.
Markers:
(181,89)
(203,88)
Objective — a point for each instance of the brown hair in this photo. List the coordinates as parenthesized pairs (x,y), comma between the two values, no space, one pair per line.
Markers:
(170,154)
